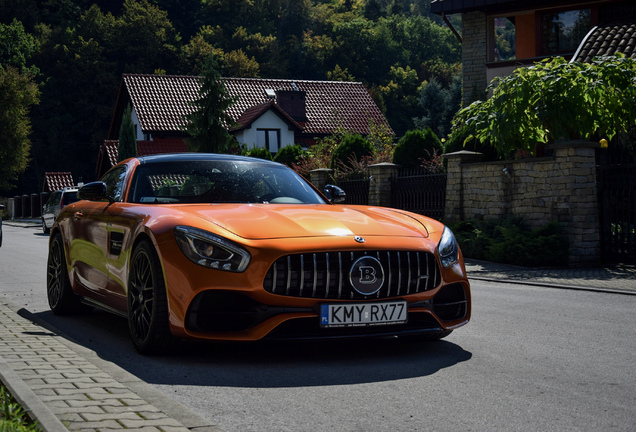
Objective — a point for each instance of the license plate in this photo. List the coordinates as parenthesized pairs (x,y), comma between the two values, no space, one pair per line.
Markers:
(363,314)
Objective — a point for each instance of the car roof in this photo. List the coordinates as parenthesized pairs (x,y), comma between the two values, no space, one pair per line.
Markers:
(189,157)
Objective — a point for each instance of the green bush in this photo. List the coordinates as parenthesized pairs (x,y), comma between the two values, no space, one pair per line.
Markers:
(289,155)
(259,152)
(553,100)
(351,146)
(457,142)
(415,146)
(511,241)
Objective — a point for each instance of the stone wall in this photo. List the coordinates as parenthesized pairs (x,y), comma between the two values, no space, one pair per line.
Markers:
(561,187)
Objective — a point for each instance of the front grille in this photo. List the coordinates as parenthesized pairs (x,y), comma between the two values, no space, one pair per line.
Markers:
(325,275)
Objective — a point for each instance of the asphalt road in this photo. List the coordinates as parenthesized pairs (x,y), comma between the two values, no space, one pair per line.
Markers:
(531,359)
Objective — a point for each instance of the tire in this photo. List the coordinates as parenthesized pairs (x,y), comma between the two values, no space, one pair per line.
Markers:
(45,230)
(147,302)
(62,299)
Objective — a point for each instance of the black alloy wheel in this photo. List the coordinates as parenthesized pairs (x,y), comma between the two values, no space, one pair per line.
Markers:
(62,299)
(147,302)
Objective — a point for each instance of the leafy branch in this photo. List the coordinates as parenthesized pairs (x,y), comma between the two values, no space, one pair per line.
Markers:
(552,101)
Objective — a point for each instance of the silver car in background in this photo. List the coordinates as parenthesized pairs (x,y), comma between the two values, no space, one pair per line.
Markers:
(56,202)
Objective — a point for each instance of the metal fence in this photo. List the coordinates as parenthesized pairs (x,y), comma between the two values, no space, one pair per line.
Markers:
(357,190)
(419,191)
(617,198)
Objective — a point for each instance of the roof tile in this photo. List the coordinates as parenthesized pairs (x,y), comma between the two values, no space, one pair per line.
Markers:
(608,39)
(54,181)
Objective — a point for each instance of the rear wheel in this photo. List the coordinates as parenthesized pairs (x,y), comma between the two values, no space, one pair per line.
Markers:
(147,302)
(62,299)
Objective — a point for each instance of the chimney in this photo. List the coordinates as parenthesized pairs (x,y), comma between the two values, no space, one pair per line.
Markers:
(293,103)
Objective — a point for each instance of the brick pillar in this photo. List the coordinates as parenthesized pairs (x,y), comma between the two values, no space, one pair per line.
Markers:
(320,177)
(474,56)
(380,184)
(454,208)
(579,212)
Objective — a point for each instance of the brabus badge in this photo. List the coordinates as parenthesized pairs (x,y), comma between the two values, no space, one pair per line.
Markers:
(359,239)
(366,275)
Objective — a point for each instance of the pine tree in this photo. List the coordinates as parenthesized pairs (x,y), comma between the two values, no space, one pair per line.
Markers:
(127,137)
(208,124)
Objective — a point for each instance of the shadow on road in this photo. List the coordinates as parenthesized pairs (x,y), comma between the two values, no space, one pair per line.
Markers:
(259,365)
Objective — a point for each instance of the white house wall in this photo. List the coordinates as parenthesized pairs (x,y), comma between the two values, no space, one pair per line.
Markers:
(268,120)
(138,132)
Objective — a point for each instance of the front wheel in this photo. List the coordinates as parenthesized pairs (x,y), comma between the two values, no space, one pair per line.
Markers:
(147,302)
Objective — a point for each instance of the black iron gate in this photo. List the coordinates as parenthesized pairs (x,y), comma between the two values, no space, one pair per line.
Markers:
(357,189)
(419,191)
(617,201)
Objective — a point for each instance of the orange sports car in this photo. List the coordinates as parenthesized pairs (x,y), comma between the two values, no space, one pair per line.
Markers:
(221,247)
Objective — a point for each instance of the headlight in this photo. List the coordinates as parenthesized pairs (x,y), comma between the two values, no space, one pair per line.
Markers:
(209,250)
(448,248)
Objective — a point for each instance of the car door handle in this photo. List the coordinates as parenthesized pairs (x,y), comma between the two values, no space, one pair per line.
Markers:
(78,215)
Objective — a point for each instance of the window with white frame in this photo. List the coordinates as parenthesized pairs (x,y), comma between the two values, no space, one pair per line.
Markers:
(269,139)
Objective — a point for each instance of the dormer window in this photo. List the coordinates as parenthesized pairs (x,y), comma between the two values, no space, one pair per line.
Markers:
(269,139)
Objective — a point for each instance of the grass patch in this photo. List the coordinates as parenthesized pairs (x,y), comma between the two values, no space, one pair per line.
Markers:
(13,418)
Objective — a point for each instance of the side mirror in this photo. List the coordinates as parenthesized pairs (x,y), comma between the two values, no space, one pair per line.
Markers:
(95,191)
(335,194)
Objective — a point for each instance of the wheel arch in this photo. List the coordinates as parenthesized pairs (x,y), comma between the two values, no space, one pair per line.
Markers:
(145,236)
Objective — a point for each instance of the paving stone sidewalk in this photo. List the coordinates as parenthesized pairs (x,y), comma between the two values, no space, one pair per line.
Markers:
(619,278)
(67,387)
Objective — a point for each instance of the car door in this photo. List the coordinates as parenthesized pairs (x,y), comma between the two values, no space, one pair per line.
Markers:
(91,246)
(48,213)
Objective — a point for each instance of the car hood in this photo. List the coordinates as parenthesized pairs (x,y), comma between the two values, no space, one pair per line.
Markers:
(276,221)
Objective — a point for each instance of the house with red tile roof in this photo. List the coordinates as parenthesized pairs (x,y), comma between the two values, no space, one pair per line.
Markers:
(499,36)
(270,113)
(54,181)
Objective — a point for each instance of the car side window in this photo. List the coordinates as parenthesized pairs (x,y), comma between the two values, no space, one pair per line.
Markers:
(114,180)
(54,198)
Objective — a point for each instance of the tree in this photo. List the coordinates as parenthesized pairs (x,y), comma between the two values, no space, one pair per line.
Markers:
(241,66)
(17,46)
(352,148)
(144,37)
(400,98)
(208,124)
(416,146)
(438,106)
(18,93)
(127,137)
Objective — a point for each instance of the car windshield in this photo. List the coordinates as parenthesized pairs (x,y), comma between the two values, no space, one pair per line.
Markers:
(220,182)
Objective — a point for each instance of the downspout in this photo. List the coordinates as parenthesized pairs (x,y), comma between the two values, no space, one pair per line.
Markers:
(450,26)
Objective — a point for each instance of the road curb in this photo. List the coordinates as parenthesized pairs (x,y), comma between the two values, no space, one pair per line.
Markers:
(554,285)
(34,407)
